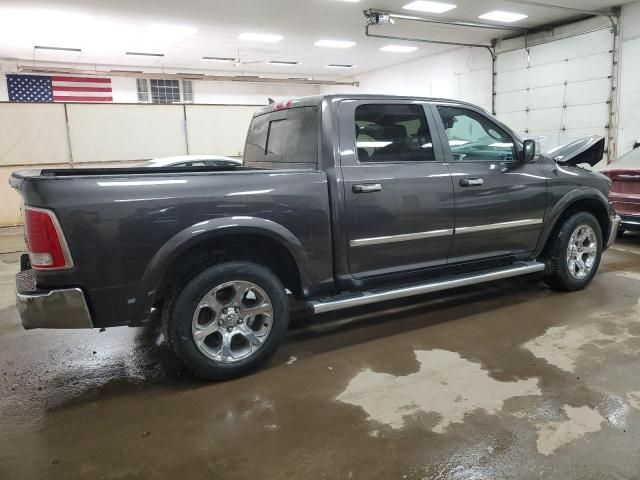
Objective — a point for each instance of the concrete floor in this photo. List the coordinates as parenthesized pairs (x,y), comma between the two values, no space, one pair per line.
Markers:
(506,380)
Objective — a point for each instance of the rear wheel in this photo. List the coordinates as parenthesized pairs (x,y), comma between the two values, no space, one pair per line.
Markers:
(228,320)
(574,253)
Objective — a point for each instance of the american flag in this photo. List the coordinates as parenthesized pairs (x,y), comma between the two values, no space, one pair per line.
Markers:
(43,88)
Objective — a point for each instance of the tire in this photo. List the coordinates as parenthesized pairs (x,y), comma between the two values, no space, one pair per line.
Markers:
(242,318)
(563,274)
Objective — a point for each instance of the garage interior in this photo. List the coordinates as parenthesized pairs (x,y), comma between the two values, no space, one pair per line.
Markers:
(507,379)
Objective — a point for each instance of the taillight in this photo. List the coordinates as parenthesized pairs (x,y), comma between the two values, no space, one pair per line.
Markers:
(47,247)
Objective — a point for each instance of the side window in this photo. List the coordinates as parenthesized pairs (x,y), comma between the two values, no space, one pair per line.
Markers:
(392,133)
(283,139)
(257,138)
(278,132)
(473,137)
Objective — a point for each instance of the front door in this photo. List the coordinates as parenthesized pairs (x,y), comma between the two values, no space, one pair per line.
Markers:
(398,191)
(500,200)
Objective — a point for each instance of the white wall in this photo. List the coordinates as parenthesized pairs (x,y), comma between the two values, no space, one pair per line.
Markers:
(206,92)
(461,74)
(629,84)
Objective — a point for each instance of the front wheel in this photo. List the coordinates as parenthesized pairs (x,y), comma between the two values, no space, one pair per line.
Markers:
(228,320)
(574,253)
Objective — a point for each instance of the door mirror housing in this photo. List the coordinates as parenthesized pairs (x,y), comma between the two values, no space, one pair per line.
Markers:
(529,151)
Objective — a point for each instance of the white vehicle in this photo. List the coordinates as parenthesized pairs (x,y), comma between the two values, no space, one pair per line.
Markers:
(193,161)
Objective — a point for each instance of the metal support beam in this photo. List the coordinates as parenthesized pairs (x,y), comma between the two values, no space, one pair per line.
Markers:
(378,17)
(560,7)
(181,76)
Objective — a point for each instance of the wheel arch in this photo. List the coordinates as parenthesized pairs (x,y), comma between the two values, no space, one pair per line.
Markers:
(579,200)
(247,238)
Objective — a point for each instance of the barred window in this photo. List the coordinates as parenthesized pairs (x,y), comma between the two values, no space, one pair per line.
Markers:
(187,91)
(164,91)
(142,86)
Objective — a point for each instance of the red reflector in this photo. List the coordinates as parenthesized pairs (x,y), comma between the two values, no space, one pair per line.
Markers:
(43,239)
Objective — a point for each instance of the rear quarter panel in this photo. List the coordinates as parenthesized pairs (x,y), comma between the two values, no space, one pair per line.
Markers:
(115,225)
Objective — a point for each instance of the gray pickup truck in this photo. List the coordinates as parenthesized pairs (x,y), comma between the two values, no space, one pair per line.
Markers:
(343,200)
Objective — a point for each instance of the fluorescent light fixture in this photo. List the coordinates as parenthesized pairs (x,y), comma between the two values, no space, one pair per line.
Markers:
(431,7)
(218,59)
(127,71)
(350,1)
(283,63)
(334,43)
(500,16)
(58,49)
(398,49)
(337,65)
(145,54)
(260,37)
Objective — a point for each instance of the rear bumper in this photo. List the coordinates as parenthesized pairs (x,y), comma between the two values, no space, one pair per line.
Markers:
(614,225)
(630,222)
(61,308)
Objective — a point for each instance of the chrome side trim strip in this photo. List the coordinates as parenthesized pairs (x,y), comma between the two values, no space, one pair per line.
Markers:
(520,268)
(361,242)
(499,226)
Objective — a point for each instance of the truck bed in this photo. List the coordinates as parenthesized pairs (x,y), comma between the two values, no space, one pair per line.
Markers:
(117,221)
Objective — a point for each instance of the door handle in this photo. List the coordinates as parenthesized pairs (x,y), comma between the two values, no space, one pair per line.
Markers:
(471,182)
(366,188)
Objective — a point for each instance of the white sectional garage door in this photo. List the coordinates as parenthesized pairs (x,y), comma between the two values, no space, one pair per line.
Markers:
(560,90)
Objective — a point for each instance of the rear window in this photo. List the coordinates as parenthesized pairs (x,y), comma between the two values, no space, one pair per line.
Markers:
(283,139)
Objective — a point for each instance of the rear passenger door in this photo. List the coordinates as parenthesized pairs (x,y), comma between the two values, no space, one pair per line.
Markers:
(500,200)
(398,191)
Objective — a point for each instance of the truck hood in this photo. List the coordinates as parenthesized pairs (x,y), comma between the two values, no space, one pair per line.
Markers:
(589,150)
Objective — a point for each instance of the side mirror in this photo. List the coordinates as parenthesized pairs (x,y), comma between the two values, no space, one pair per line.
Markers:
(530,151)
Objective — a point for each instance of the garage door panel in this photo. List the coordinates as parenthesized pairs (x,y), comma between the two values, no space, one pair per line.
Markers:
(515,120)
(571,48)
(511,81)
(589,68)
(546,97)
(546,75)
(586,116)
(547,119)
(512,101)
(516,60)
(591,91)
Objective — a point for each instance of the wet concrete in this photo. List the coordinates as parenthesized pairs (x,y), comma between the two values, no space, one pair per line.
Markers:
(505,380)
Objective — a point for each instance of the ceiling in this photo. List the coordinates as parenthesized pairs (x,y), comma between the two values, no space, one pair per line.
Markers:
(187,30)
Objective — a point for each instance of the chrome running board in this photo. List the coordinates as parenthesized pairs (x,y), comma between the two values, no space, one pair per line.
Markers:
(365,298)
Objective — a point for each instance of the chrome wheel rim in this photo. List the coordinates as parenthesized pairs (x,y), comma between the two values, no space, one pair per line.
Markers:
(232,321)
(582,251)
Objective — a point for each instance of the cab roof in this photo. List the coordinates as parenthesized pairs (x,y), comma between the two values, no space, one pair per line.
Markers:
(317,100)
